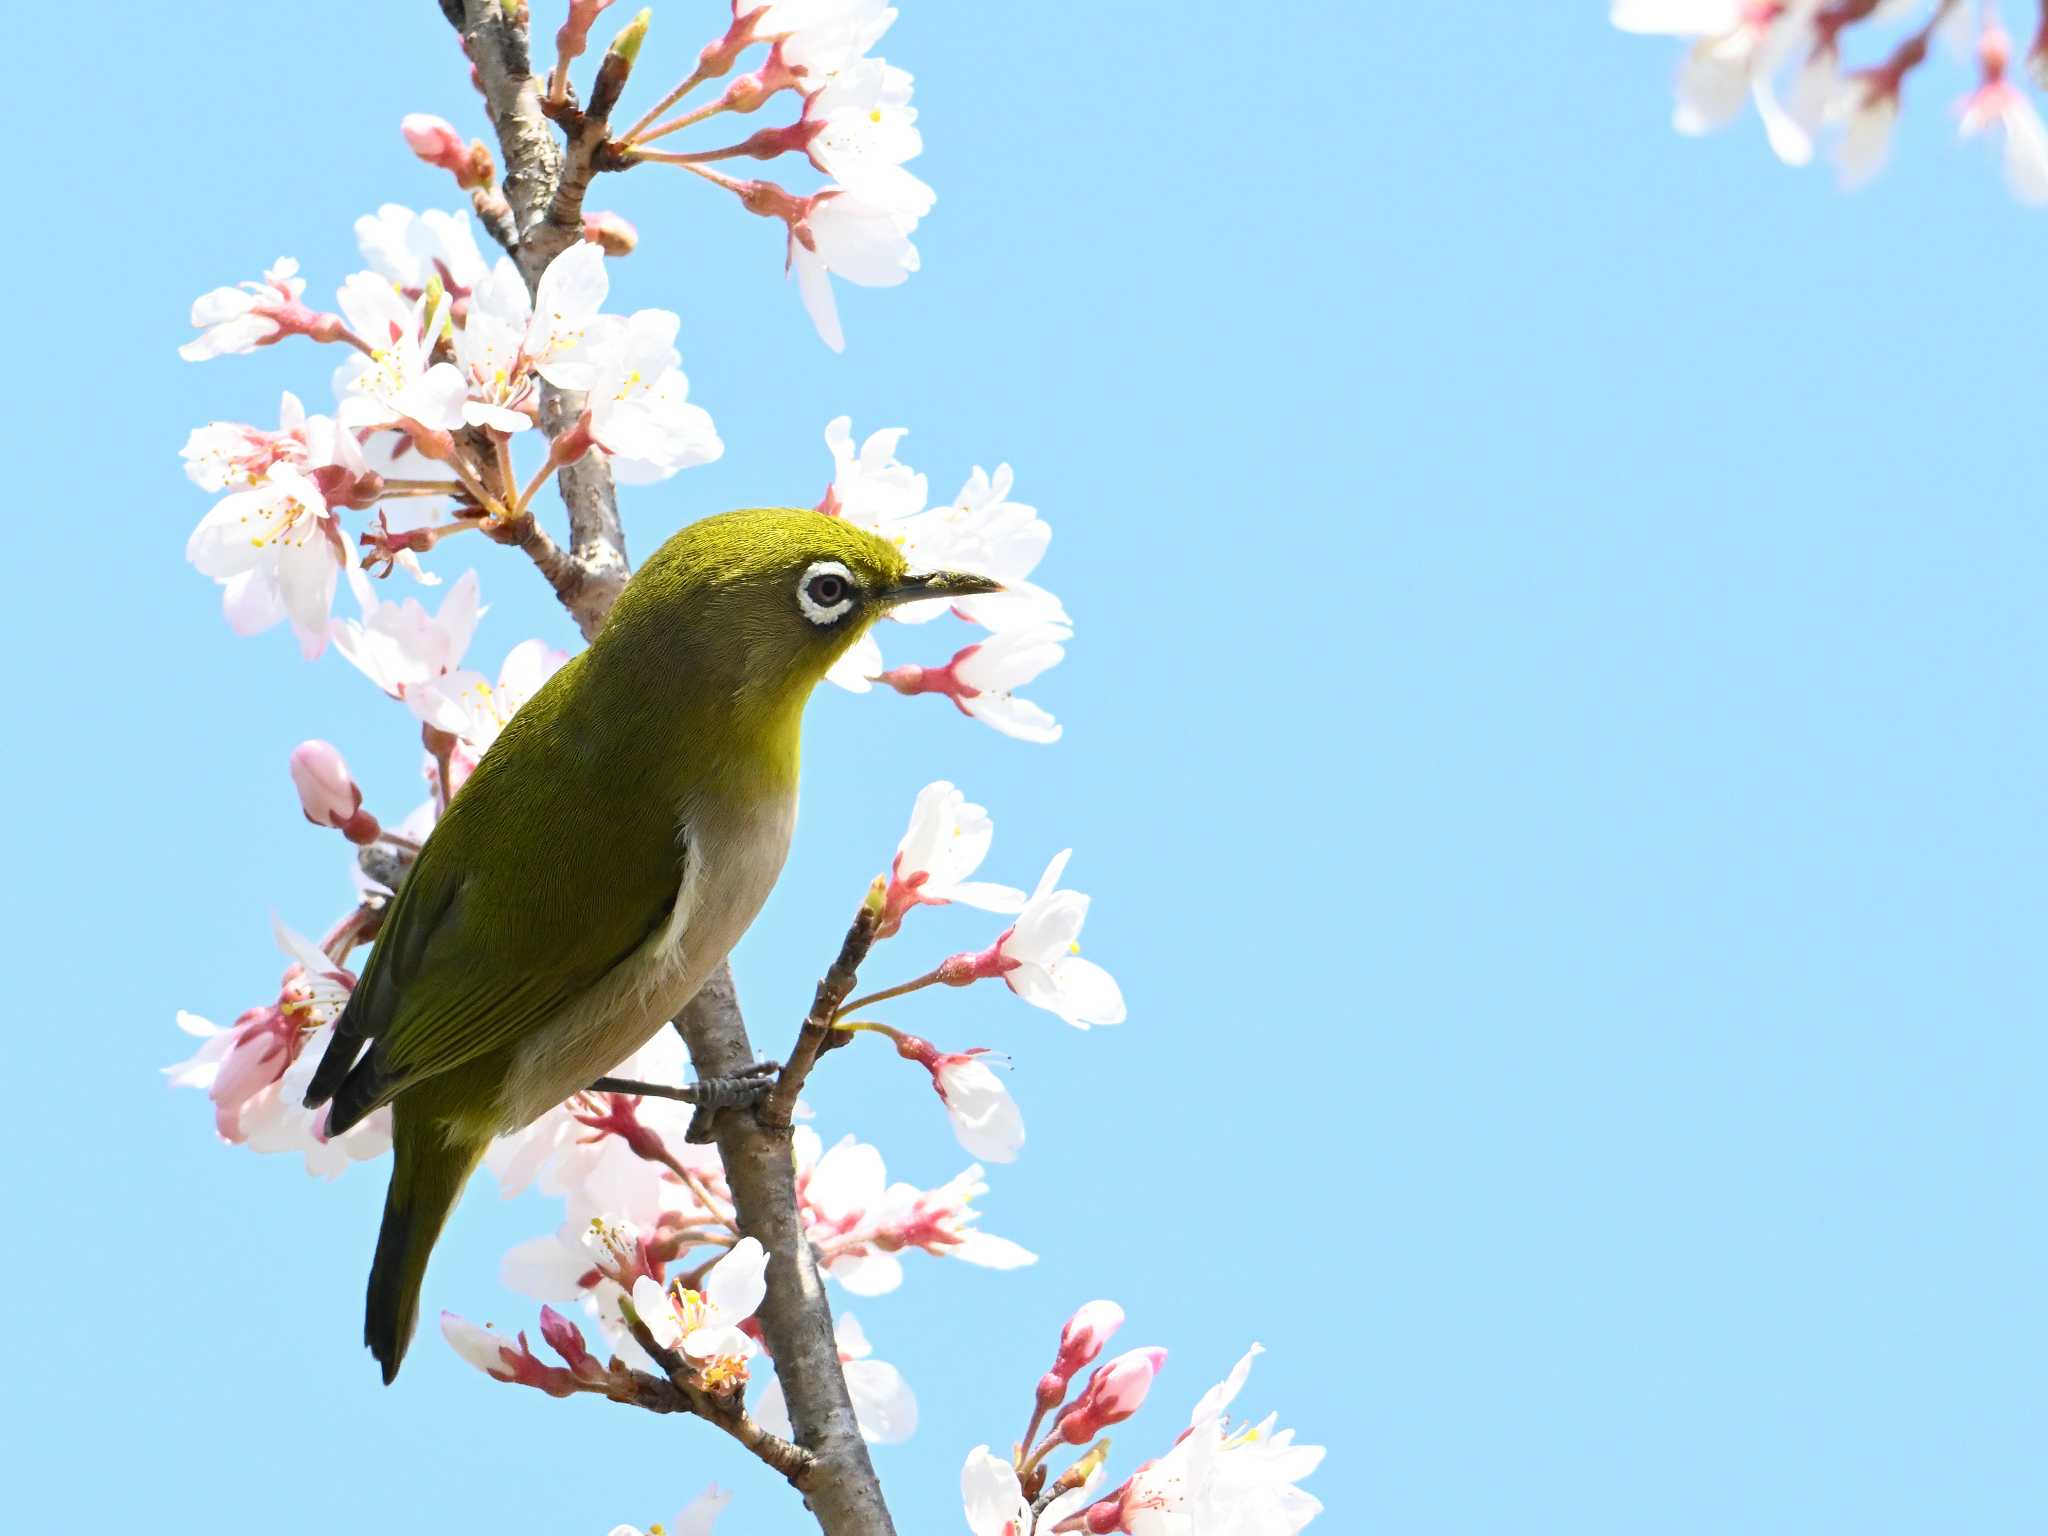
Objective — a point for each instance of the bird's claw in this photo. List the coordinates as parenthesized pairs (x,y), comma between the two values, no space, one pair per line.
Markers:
(739,1090)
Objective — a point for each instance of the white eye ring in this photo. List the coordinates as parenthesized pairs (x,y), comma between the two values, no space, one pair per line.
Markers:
(823,574)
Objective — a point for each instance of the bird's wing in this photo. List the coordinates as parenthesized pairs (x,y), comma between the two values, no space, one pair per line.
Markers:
(450,979)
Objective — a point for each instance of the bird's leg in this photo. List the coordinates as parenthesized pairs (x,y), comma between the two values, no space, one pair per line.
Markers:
(735,1092)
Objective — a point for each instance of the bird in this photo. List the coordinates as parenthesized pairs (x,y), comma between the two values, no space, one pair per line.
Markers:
(600,861)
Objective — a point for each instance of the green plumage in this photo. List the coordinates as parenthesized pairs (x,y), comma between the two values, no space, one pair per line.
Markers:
(606,853)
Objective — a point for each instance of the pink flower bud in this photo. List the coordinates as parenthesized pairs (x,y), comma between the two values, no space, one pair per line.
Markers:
(1113,1394)
(1085,1334)
(566,1340)
(327,794)
(435,141)
(611,233)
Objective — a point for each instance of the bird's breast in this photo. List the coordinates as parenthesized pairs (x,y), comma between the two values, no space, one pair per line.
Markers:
(732,857)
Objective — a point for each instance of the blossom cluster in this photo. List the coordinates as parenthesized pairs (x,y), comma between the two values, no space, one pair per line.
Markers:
(428,446)
(441,383)
(1214,1480)
(980,530)
(1789,59)
(856,125)
(459,393)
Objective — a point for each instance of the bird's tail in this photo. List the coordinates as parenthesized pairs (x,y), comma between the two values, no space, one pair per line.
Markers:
(427,1175)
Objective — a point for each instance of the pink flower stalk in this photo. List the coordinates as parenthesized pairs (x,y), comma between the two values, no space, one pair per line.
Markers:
(327,793)
(573,38)
(610,232)
(1115,1392)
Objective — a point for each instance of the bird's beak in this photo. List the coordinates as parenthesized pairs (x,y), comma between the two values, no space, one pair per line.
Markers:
(939,584)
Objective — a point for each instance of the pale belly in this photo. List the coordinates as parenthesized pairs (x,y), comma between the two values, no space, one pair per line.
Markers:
(731,865)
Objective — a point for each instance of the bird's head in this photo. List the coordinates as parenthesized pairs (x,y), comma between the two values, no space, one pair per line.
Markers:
(762,602)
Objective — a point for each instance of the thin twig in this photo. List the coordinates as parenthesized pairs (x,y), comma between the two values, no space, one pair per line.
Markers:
(793,1462)
(816,1029)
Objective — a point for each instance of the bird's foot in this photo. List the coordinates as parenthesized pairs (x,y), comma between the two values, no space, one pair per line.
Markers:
(742,1088)
(739,1090)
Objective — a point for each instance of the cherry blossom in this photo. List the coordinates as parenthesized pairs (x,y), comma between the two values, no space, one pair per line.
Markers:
(986,1120)
(397,384)
(277,551)
(1039,957)
(861,1222)
(948,838)
(870,485)
(697,1517)
(490,349)
(1998,103)
(822,37)
(472,709)
(398,645)
(232,455)
(995,1503)
(253,315)
(983,531)
(982,679)
(862,128)
(411,249)
(848,234)
(255,1070)
(640,401)
(565,301)
(884,1407)
(1217,1479)
(706,1325)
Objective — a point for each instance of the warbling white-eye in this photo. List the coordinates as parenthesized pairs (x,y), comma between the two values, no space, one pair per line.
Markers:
(606,854)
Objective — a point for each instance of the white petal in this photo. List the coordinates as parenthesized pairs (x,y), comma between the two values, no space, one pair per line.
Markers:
(992,1496)
(883,1404)
(814,287)
(1224,1393)
(862,661)
(657,1312)
(986,1251)
(545,1268)
(737,1283)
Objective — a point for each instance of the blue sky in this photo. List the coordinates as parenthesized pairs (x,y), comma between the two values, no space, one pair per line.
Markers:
(1554,736)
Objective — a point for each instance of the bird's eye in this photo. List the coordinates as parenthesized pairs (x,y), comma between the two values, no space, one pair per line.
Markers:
(825,592)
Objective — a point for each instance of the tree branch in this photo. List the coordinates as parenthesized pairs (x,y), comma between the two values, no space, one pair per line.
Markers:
(545,194)
(597,540)
(497,43)
(796,1317)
